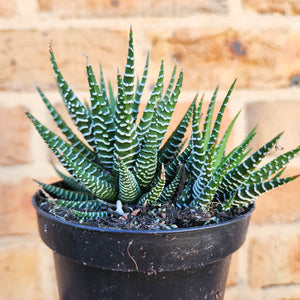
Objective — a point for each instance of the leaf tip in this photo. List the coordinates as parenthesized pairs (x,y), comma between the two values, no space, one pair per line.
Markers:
(163,173)
(50,46)
(87,59)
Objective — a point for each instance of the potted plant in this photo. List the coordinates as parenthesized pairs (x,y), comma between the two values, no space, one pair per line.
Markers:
(137,218)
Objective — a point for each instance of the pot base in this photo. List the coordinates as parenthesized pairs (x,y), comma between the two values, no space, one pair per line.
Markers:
(206,283)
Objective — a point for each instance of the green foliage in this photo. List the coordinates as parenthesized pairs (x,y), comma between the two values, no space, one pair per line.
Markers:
(126,157)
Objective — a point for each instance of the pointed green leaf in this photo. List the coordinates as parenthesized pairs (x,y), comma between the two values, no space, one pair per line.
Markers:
(208,119)
(185,197)
(126,142)
(207,193)
(65,152)
(65,194)
(170,190)
(145,121)
(166,109)
(70,181)
(206,174)
(77,111)
(129,71)
(66,130)
(145,167)
(103,90)
(170,86)
(86,216)
(93,205)
(221,147)
(83,172)
(239,174)
(216,129)
(169,149)
(129,190)
(104,127)
(247,194)
(272,167)
(139,91)
(171,168)
(153,195)
(198,151)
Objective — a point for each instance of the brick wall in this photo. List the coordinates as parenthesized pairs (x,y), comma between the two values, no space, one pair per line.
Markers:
(216,41)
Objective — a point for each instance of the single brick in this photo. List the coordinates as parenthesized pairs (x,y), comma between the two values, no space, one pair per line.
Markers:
(125,8)
(23,62)
(233,275)
(259,58)
(274,293)
(274,259)
(273,118)
(24,267)
(17,214)
(287,7)
(14,136)
(19,265)
(280,205)
(7,8)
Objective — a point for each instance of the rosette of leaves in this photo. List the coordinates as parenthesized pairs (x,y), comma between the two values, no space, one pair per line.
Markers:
(123,159)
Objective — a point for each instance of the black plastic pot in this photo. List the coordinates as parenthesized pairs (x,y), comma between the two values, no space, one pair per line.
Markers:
(93,263)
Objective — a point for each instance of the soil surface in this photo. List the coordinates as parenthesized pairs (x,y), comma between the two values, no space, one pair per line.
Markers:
(162,217)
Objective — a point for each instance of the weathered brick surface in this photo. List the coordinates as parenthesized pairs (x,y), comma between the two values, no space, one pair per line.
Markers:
(233,275)
(7,8)
(215,41)
(266,58)
(273,118)
(17,214)
(24,56)
(274,260)
(281,205)
(117,8)
(243,293)
(15,135)
(22,270)
(19,275)
(286,7)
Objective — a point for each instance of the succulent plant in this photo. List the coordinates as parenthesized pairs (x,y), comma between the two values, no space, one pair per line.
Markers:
(124,160)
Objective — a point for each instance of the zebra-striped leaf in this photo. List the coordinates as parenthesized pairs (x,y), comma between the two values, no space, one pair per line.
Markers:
(272,167)
(129,190)
(139,91)
(216,129)
(77,111)
(235,177)
(126,142)
(145,121)
(169,191)
(66,130)
(145,167)
(104,127)
(60,192)
(247,194)
(153,195)
(168,152)
(129,71)
(208,119)
(166,109)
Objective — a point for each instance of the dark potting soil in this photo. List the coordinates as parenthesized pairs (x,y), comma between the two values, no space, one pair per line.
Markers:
(161,217)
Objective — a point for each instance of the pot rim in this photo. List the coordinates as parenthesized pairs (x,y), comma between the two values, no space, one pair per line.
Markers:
(137,232)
